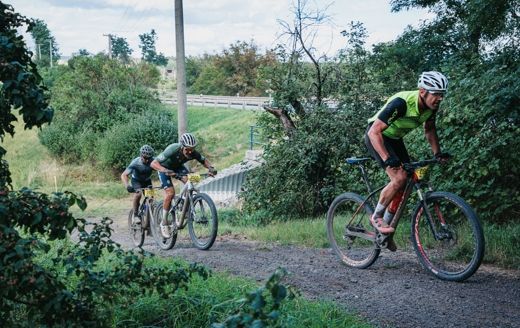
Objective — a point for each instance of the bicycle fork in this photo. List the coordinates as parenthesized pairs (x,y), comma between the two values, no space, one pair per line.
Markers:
(430,217)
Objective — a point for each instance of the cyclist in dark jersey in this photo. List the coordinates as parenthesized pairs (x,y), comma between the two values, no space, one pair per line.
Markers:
(402,113)
(140,172)
(171,163)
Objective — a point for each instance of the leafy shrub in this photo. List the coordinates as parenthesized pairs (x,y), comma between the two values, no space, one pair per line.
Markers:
(122,142)
(480,126)
(91,96)
(303,173)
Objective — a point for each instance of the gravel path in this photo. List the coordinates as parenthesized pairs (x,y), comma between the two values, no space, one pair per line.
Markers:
(394,292)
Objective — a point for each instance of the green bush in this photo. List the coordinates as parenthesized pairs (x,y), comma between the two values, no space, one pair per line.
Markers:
(122,142)
(303,173)
(92,95)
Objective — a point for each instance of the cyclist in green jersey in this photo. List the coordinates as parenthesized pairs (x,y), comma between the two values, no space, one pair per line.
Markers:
(170,163)
(402,113)
(140,171)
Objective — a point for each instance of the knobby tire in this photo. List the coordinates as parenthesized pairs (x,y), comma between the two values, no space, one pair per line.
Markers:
(459,249)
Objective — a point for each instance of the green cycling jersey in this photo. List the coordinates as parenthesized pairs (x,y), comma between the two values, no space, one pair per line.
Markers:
(172,157)
(401,114)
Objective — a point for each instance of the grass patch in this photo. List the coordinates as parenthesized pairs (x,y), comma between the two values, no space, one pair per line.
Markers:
(225,132)
(501,240)
(214,299)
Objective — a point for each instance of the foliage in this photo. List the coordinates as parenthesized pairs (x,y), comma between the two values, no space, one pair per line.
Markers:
(257,311)
(73,290)
(147,46)
(46,46)
(20,80)
(233,72)
(466,26)
(91,96)
(120,48)
(481,128)
(479,121)
(122,142)
(302,174)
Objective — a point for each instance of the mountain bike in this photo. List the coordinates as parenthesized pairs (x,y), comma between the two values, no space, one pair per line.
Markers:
(145,213)
(190,207)
(445,231)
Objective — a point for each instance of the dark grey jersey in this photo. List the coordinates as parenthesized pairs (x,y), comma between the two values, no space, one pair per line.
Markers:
(139,170)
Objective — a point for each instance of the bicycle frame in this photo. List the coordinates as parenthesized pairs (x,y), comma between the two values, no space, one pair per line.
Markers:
(186,197)
(412,182)
(147,204)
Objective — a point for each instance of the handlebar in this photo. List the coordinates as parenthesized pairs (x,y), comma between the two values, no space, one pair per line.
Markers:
(410,167)
(147,188)
(201,175)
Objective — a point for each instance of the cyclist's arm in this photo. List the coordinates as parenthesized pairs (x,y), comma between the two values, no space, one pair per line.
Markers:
(124,177)
(375,134)
(430,132)
(158,167)
(207,164)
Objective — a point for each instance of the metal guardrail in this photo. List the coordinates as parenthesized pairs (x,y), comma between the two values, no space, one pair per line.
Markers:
(254,103)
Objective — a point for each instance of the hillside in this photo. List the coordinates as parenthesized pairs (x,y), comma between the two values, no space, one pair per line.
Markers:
(224,136)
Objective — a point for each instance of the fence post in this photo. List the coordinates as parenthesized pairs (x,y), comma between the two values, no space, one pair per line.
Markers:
(251,137)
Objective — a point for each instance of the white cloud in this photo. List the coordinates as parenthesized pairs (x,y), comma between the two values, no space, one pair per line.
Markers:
(209,25)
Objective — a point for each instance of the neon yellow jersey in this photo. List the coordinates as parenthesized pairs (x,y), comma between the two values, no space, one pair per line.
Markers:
(403,117)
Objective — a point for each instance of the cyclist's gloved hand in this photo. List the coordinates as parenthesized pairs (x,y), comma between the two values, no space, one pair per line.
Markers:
(130,188)
(212,171)
(442,157)
(392,162)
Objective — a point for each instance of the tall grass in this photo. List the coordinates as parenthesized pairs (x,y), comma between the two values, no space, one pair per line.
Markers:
(214,299)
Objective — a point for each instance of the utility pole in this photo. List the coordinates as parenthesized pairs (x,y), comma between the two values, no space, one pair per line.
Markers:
(109,44)
(39,45)
(182,117)
(50,51)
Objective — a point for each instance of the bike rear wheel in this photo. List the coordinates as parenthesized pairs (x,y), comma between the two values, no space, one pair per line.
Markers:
(455,253)
(136,231)
(203,221)
(349,231)
(163,243)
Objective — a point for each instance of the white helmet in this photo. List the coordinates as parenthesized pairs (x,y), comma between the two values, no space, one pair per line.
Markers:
(433,81)
(188,140)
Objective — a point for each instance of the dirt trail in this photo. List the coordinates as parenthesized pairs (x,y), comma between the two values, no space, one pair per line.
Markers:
(394,292)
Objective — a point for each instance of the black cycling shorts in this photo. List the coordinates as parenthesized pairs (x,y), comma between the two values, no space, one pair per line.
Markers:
(395,148)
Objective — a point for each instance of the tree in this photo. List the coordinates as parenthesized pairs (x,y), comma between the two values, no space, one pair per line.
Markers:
(91,96)
(46,46)
(71,288)
(147,46)
(120,48)
(468,27)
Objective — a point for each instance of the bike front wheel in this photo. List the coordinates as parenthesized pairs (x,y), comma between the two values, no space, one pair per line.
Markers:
(136,231)
(447,236)
(163,243)
(203,221)
(349,231)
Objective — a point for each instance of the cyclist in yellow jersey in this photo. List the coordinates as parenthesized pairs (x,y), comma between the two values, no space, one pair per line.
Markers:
(402,113)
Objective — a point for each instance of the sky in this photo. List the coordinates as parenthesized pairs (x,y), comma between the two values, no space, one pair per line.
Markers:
(210,26)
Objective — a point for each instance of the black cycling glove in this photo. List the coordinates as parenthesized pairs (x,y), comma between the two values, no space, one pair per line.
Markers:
(442,156)
(130,188)
(212,170)
(392,162)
